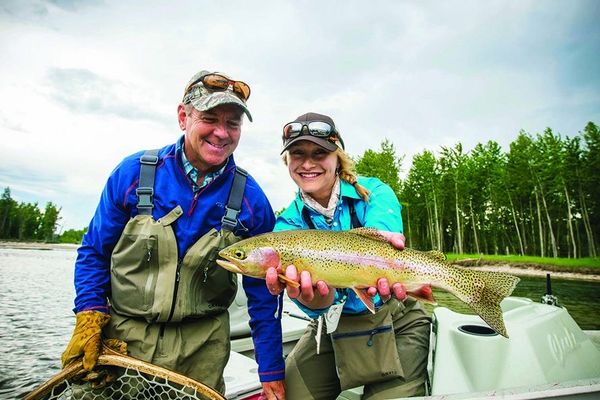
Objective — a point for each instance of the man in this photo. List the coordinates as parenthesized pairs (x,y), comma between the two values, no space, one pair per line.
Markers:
(146,272)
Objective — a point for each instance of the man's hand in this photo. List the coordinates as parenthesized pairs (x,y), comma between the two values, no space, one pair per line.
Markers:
(87,343)
(274,390)
(86,340)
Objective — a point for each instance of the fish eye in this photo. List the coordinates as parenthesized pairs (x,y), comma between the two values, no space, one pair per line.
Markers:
(239,254)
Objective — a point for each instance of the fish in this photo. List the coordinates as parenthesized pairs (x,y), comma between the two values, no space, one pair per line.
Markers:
(358,258)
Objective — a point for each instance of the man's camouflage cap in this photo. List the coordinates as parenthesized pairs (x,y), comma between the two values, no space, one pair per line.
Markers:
(204,99)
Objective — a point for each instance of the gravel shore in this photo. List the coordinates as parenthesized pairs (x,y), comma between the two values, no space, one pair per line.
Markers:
(537,272)
(36,246)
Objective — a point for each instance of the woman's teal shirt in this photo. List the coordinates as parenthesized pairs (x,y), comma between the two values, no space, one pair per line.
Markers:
(383,211)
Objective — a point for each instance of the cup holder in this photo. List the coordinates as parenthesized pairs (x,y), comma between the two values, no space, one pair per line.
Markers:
(477,330)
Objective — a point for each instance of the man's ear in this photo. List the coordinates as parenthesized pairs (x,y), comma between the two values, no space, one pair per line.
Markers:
(181,116)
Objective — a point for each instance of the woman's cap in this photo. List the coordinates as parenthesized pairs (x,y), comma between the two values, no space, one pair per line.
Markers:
(329,143)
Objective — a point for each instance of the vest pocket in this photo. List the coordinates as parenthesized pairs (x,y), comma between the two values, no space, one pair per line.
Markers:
(364,348)
(212,288)
(133,283)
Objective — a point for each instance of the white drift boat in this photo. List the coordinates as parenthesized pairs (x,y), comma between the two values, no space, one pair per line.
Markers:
(546,356)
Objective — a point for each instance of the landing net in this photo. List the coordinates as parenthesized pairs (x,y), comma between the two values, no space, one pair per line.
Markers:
(136,380)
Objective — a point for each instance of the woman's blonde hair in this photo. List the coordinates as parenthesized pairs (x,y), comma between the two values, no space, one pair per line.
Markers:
(345,170)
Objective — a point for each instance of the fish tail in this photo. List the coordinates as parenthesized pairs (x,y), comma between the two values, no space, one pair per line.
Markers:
(483,291)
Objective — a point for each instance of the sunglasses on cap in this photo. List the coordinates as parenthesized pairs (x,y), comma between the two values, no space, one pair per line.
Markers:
(314,128)
(220,83)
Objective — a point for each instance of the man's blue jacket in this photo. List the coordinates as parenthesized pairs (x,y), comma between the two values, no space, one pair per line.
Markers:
(203,210)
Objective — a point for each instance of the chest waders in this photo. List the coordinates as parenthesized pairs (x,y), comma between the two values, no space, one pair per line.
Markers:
(167,306)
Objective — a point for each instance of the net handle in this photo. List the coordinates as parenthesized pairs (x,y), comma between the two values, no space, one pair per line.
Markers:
(110,357)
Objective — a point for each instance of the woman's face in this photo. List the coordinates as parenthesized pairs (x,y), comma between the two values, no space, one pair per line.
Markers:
(313,169)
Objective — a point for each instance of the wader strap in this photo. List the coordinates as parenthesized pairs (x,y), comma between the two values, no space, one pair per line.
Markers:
(171,216)
(145,190)
(354,221)
(234,204)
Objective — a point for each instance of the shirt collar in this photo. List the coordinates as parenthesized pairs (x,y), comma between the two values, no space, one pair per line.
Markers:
(192,173)
(328,211)
(348,190)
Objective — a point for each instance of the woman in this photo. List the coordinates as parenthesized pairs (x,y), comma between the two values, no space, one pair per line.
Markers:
(331,197)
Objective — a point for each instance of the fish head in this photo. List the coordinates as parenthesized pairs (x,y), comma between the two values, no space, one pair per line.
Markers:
(247,259)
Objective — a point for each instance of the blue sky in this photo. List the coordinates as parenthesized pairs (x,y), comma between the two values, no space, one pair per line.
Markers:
(85,83)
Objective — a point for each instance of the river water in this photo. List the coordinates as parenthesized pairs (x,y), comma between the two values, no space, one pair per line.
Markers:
(36,298)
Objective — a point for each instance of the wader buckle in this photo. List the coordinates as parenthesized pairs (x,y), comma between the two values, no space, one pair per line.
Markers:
(229,220)
(145,197)
(149,159)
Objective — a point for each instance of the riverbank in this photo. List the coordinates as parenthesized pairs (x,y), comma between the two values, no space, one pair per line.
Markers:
(531,269)
(37,246)
(538,272)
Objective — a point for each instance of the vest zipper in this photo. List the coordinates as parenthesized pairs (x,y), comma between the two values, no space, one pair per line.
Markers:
(370,333)
(175,289)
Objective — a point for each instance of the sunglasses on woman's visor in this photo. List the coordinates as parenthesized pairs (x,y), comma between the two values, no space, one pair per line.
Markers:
(220,83)
(314,128)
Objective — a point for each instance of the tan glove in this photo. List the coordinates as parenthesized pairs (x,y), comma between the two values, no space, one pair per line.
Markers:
(105,375)
(86,339)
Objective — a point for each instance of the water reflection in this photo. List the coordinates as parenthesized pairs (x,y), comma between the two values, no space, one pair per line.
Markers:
(581,298)
(36,298)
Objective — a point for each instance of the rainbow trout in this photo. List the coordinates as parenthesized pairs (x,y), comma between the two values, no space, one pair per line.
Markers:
(357,258)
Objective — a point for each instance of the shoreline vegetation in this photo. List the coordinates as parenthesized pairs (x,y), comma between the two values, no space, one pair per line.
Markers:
(564,268)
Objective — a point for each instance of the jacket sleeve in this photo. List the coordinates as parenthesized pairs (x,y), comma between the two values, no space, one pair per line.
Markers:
(265,309)
(92,267)
(383,210)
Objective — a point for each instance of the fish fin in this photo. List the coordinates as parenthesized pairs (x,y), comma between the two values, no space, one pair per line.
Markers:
(438,255)
(285,279)
(423,293)
(488,290)
(365,298)
(371,233)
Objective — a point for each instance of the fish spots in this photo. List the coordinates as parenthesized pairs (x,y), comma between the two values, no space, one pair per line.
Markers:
(359,257)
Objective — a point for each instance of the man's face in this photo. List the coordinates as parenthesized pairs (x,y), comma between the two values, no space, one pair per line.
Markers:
(210,136)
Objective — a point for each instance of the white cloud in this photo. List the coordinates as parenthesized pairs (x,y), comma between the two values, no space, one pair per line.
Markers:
(88,82)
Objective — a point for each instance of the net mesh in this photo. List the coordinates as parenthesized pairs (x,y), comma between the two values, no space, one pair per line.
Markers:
(130,384)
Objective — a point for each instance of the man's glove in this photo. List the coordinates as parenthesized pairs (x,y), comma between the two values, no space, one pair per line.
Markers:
(86,339)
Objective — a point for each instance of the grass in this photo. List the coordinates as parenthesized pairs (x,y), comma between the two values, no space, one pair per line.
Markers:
(587,264)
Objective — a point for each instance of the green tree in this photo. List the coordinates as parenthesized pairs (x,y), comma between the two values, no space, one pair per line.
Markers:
(383,164)
(590,186)
(48,223)
(421,193)
(72,236)
(7,206)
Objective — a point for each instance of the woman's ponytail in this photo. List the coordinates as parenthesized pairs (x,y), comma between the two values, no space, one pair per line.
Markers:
(347,173)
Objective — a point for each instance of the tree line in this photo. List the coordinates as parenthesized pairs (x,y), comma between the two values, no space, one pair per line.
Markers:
(540,198)
(27,222)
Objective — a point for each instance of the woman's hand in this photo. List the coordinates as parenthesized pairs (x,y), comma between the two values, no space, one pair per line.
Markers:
(305,292)
(383,287)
